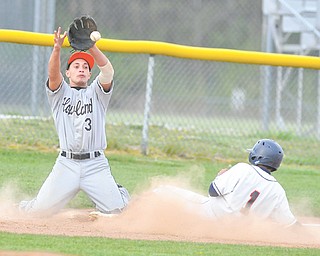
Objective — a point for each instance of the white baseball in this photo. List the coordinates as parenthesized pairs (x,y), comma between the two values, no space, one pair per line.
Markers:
(95,36)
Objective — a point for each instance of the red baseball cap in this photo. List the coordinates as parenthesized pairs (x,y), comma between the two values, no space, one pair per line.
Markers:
(82,55)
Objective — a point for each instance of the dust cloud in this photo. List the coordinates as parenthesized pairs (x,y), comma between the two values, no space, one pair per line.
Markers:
(168,217)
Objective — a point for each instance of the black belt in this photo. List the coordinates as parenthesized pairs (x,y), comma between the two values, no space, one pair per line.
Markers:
(80,156)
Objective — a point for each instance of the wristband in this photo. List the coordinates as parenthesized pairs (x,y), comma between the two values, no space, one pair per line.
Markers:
(106,73)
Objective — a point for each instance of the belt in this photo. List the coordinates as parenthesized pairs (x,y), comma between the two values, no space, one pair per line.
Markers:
(82,156)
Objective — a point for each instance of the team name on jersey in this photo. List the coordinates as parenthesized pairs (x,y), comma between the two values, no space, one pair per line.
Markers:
(80,108)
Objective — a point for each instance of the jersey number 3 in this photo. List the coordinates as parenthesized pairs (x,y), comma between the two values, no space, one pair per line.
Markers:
(253,197)
(88,124)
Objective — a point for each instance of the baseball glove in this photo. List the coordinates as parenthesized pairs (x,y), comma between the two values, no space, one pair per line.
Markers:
(79,33)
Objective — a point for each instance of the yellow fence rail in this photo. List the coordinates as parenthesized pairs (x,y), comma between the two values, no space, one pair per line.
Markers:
(173,50)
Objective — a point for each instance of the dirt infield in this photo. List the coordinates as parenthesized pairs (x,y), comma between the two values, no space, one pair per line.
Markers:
(165,227)
(148,218)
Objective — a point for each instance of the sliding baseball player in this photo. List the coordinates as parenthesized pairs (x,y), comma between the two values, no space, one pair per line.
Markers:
(243,190)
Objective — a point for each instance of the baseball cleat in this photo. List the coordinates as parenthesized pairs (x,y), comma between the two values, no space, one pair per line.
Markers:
(96,214)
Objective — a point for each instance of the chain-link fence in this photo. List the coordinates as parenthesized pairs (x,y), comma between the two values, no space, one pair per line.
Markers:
(195,105)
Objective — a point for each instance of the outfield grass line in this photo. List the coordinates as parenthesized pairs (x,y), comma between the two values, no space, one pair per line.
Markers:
(25,117)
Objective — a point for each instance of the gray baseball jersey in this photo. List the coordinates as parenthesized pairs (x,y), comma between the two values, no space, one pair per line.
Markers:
(79,116)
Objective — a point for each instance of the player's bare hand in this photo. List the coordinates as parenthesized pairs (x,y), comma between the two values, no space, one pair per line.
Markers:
(58,38)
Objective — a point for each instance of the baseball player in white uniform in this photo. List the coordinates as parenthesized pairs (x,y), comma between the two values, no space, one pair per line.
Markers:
(243,189)
(79,112)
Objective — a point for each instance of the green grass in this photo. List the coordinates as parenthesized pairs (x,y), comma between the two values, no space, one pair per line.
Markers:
(27,169)
(122,247)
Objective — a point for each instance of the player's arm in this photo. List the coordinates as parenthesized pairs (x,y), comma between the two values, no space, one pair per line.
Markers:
(282,213)
(54,72)
(226,180)
(106,70)
(213,189)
